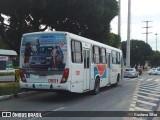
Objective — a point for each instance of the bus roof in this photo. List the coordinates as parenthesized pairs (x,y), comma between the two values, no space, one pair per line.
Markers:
(83,39)
(7,52)
(45,32)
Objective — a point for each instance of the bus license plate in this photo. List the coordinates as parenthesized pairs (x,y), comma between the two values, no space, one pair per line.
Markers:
(53,80)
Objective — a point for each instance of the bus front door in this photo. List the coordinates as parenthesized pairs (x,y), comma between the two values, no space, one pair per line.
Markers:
(109,68)
(86,69)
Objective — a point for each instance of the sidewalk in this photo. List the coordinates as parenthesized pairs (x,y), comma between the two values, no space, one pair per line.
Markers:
(12,79)
(7,97)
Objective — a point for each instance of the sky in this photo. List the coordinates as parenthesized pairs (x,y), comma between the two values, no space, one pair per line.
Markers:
(141,10)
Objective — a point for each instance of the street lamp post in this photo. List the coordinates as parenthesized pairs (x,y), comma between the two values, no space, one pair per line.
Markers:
(128,35)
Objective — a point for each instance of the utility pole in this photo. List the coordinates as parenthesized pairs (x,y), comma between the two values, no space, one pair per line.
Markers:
(156,40)
(119,33)
(147,27)
(128,35)
(119,19)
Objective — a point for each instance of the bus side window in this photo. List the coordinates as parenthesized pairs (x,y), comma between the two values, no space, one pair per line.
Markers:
(109,60)
(103,56)
(118,57)
(76,51)
(96,54)
(114,58)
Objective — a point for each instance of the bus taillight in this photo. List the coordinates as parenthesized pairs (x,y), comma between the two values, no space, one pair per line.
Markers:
(65,75)
(21,73)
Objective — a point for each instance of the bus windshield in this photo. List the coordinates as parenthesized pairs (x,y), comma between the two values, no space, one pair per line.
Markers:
(45,52)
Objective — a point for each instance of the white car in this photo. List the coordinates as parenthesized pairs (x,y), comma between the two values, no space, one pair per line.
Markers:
(154,71)
(130,72)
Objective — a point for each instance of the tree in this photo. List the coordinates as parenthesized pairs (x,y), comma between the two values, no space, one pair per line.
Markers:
(2,44)
(18,12)
(155,59)
(89,18)
(139,53)
(114,40)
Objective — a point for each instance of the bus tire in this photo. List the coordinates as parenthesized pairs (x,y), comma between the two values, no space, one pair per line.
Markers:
(115,84)
(96,86)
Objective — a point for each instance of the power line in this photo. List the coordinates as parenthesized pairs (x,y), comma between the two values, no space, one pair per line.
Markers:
(147,27)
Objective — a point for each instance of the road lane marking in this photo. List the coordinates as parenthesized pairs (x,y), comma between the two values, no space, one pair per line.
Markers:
(141,109)
(104,92)
(134,118)
(133,105)
(130,80)
(131,109)
(150,83)
(154,91)
(149,93)
(135,95)
(148,97)
(157,80)
(57,109)
(149,88)
(149,79)
(142,80)
(148,103)
(134,99)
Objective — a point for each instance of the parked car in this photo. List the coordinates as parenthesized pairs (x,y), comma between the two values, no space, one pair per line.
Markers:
(154,71)
(131,72)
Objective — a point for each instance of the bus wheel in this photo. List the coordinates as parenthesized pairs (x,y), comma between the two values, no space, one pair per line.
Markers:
(115,84)
(96,86)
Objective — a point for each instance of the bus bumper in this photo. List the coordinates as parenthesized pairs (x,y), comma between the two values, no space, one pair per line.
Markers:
(45,86)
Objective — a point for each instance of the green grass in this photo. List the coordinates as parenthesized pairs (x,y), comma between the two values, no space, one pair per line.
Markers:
(9,88)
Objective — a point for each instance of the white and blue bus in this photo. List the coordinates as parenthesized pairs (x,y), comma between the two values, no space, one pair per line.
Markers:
(65,61)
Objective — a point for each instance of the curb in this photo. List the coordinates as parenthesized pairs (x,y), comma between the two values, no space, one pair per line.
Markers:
(7,97)
(157,118)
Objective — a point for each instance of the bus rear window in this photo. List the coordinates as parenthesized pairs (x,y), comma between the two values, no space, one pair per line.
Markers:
(46,51)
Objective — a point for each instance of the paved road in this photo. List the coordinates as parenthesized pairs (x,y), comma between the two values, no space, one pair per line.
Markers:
(147,96)
(128,95)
